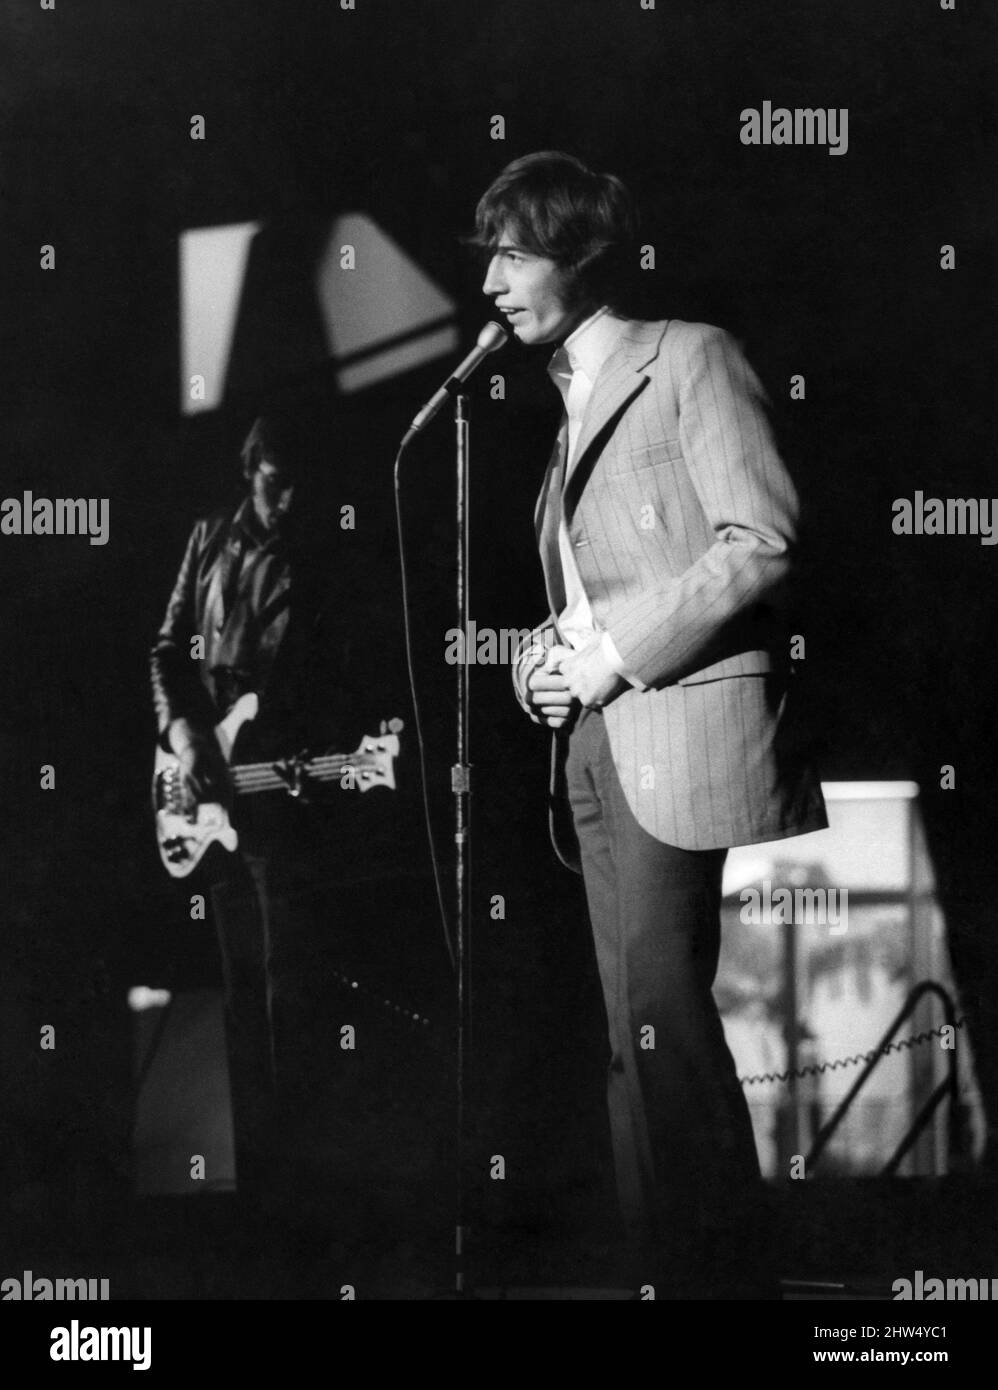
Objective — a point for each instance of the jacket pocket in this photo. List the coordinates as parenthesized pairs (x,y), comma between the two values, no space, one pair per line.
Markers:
(629,461)
(755,663)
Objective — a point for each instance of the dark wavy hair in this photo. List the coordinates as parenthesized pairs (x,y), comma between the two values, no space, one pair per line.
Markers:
(553,205)
(275,438)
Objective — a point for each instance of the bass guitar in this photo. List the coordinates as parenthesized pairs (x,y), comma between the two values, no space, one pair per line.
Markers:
(185,827)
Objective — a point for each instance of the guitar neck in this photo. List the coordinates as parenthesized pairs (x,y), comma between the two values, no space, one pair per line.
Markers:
(262,777)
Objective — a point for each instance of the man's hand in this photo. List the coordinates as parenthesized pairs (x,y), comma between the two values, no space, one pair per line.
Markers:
(202,766)
(550,698)
(588,675)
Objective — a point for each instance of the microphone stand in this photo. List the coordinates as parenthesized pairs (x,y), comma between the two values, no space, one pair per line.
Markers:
(460,780)
(491,337)
(461,789)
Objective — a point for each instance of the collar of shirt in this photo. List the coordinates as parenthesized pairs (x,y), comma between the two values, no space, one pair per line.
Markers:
(253,529)
(586,349)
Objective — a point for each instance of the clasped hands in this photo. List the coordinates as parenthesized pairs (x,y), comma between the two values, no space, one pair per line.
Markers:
(568,678)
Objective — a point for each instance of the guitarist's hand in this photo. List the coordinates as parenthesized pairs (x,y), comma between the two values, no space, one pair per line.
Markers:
(202,766)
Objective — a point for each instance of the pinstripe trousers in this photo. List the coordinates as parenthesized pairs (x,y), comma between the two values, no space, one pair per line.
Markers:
(684,1152)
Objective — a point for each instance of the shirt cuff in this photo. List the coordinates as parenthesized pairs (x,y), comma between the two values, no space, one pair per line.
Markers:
(613,657)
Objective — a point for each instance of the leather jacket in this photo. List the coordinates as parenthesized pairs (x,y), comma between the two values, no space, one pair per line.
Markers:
(264,613)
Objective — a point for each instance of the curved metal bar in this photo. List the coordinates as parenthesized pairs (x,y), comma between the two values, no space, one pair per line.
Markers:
(949,1087)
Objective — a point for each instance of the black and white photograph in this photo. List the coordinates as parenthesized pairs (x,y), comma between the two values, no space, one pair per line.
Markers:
(499,741)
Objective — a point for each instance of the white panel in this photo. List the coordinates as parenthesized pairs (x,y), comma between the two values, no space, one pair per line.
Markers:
(384,296)
(399,359)
(212,268)
(869,791)
(866,846)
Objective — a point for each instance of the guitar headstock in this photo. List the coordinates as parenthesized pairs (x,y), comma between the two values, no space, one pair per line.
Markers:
(375,758)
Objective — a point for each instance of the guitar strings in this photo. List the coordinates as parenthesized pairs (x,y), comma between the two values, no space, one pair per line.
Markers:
(259,777)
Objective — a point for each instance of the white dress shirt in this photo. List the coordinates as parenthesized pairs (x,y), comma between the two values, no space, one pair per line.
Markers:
(574,369)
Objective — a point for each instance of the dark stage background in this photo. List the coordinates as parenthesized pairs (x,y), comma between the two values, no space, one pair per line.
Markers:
(825,266)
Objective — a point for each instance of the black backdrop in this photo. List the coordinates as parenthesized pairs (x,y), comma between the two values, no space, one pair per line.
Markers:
(825,266)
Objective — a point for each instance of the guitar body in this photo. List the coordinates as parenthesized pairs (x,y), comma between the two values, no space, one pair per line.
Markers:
(185,828)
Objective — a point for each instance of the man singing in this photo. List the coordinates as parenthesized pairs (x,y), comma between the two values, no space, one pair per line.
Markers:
(666,524)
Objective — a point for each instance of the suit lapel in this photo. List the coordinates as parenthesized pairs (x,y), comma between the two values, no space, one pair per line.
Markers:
(619,381)
(621,378)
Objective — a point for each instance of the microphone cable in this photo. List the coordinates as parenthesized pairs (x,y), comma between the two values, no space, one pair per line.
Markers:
(417,716)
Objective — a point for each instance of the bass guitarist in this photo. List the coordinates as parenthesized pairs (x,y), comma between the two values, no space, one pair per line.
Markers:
(266,601)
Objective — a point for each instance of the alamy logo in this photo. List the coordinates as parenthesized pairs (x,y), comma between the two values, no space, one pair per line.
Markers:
(29,515)
(768,906)
(920,1288)
(76,1343)
(33,1288)
(950,516)
(800,126)
(484,646)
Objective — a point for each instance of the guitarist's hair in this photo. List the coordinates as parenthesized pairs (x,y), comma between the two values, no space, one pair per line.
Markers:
(275,438)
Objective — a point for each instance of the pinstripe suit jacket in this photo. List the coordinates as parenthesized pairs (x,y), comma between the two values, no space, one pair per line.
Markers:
(682,518)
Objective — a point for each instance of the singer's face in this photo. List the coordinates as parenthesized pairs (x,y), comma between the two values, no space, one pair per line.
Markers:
(531,291)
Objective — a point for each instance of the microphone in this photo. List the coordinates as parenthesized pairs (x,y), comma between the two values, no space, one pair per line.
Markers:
(490,339)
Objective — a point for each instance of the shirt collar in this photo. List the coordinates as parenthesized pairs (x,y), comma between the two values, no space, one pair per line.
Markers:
(588,346)
(247,521)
